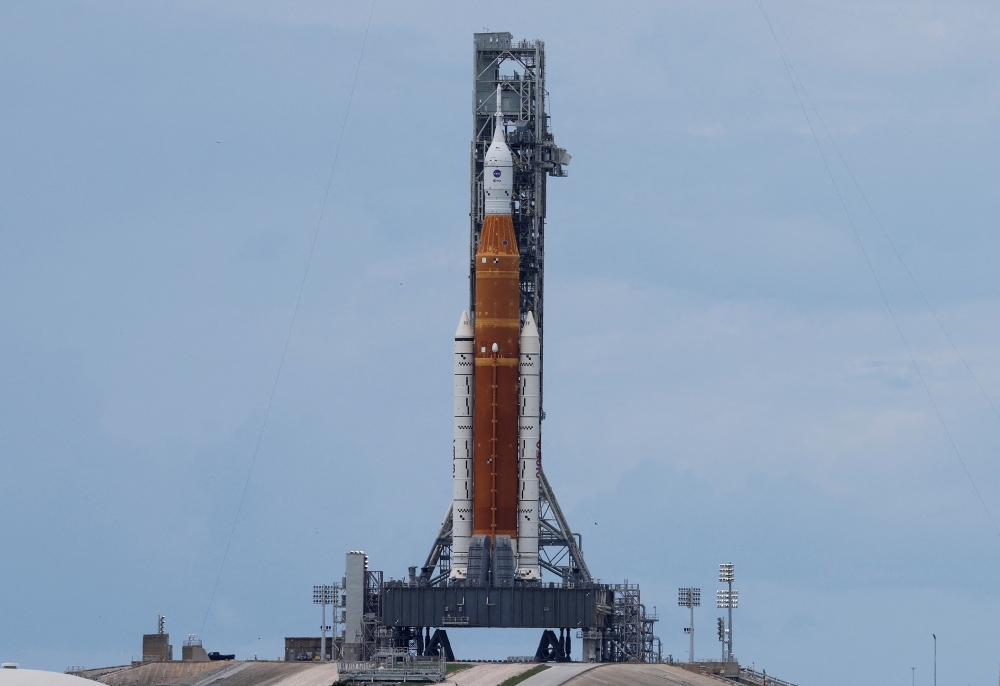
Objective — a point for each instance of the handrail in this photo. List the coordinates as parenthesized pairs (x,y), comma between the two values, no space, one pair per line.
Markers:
(762,678)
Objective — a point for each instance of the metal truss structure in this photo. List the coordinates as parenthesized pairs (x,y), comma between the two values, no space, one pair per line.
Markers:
(374,636)
(560,551)
(519,69)
(631,637)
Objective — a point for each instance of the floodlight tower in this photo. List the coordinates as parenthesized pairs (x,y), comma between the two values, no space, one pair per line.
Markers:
(689,598)
(325,595)
(727,599)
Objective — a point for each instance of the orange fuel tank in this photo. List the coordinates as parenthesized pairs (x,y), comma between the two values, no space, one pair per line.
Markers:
(497,333)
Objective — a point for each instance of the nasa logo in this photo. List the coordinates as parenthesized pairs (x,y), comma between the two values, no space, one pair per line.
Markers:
(496,173)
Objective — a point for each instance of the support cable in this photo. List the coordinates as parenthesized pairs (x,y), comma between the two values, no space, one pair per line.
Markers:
(291,325)
(895,250)
(799,92)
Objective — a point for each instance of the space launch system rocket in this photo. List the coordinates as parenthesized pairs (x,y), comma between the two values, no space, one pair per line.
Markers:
(497,451)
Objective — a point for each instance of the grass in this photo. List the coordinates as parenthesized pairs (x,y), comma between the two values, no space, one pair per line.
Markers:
(514,680)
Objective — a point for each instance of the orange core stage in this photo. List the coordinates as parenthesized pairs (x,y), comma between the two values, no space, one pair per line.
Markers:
(498,324)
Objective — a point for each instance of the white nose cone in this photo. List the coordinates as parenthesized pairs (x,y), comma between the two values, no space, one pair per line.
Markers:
(530,331)
(464,331)
(498,169)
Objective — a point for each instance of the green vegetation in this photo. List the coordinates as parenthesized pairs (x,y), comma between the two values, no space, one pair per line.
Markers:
(457,667)
(514,680)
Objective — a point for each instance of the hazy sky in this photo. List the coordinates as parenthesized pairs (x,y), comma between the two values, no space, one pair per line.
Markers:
(723,380)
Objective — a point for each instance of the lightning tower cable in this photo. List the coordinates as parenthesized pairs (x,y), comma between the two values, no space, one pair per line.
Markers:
(291,325)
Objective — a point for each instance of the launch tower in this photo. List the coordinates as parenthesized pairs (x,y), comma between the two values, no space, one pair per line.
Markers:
(519,69)
(516,71)
(504,555)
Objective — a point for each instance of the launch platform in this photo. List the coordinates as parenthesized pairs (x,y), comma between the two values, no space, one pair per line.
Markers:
(518,607)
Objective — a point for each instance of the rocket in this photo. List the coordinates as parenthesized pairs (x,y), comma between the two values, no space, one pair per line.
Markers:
(497,334)
(496,430)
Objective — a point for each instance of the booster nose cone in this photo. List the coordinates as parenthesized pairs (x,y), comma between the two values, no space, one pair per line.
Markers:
(530,329)
(498,168)
(464,331)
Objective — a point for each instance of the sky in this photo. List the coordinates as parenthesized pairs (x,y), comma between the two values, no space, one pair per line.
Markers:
(725,381)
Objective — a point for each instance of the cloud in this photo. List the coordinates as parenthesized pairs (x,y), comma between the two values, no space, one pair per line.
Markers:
(708,130)
(722,379)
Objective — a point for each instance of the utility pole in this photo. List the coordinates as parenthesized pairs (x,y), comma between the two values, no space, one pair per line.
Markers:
(691,632)
(913,676)
(935,658)
(722,637)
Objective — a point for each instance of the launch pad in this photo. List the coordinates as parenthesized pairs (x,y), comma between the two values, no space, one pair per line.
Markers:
(504,531)
(610,620)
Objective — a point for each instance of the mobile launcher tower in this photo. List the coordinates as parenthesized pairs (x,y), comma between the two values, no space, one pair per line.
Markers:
(504,528)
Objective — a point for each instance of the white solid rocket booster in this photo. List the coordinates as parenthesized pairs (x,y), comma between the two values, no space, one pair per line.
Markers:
(461,499)
(529,452)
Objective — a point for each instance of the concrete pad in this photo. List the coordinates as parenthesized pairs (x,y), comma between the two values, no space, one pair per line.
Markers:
(224,673)
(487,674)
(640,675)
(153,673)
(559,673)
(322,674)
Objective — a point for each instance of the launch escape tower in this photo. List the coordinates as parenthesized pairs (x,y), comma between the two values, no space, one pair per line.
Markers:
(609,618)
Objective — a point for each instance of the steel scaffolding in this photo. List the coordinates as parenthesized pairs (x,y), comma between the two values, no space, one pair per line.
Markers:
(536,156)
(631,637)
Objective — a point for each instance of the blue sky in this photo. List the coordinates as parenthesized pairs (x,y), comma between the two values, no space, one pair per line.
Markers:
(723,380)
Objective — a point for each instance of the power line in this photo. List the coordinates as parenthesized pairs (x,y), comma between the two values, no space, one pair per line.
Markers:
(878,221)
(899,256)
(797,86)
(295,311)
